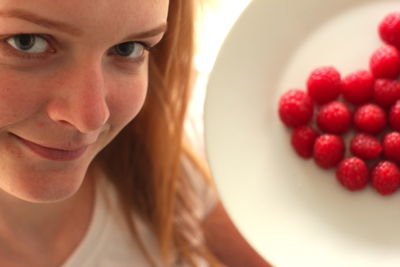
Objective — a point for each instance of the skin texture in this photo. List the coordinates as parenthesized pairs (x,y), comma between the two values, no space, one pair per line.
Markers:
(77,96)
(74,95)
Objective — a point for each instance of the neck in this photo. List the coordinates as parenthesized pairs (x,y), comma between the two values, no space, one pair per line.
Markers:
(45,229)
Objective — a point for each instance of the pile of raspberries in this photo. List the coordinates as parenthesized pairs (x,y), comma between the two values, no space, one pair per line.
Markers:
(365,102)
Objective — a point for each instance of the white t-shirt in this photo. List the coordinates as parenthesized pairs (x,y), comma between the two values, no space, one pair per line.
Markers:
(108,242)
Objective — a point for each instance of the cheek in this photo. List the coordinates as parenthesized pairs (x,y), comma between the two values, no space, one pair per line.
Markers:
(126,100)
(19,97)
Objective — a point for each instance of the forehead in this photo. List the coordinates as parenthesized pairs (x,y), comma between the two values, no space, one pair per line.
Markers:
(97,15)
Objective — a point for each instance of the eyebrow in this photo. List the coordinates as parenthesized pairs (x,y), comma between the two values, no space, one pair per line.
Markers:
(70,29)
(36,19)
(149,33)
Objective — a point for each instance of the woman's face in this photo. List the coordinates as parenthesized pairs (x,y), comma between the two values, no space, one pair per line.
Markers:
(72,75)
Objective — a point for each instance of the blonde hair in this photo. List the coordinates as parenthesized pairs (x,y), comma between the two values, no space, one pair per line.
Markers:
(144,160)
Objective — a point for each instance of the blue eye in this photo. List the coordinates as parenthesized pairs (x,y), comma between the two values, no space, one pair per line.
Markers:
(28,43)
(130,49)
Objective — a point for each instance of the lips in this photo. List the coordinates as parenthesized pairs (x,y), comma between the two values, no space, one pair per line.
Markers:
(51,153)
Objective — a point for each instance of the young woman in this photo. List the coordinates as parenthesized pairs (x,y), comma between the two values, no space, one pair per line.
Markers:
(94,166)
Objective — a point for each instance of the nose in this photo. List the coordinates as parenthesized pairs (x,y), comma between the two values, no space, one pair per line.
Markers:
(80,98)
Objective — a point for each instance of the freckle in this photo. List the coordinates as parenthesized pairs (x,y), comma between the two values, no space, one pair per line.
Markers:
(11,149)
(40,124)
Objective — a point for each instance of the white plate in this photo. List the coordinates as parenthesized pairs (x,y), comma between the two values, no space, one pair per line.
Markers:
(292,212)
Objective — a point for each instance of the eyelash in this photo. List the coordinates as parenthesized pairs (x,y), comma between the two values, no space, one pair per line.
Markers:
(28,56)
(49,39)
(146,47)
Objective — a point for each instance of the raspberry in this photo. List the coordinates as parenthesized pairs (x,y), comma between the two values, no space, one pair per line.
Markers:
(328,150)
(389,29)
(365,146)
(394,116)
(295,108)
(391,146)
(385,177)
(303,139)
(386,92)
(370,118)
(357,87)
(334,117)
(324,84)
(385,62)
(353,173)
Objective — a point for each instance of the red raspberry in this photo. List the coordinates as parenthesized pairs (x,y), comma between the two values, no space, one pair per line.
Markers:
(370,118)
(295,108)
(365,146)
(334,117)
(358,86)
(394,116)
(303,139)
(385,177)
(353,173)
(391,146)
(385,62)
(389,29)
(324,84)
(328,150)
(386,92)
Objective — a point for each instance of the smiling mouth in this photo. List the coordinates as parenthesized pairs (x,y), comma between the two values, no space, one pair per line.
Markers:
(52,153)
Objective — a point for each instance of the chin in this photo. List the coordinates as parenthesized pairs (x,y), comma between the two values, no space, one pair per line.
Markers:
(47,194)
(44,188)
